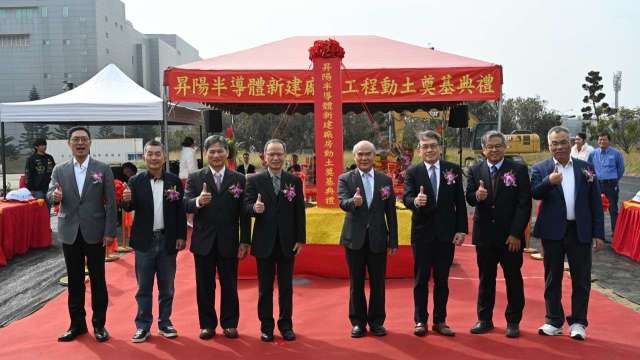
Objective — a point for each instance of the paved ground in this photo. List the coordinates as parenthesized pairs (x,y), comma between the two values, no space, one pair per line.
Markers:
(30,280)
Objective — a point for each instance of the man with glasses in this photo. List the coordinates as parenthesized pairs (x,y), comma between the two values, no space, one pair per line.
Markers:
(433,191)
(84,189)
(499,190)
(275,199)
(570,222)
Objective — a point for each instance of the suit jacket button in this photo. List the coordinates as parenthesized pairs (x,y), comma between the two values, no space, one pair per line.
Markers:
(493,206)
(493,221)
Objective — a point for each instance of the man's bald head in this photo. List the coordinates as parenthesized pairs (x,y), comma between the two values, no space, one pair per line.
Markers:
(364,153)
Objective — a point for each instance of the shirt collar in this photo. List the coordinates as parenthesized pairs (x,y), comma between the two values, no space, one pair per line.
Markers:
(153,179)
(272,174)
(370,172)
(570,163)
(84,164)
(498,165)
(436,164)
(221,172)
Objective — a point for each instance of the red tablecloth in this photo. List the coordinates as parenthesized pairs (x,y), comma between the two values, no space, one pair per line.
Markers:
(626,239)
(23,226)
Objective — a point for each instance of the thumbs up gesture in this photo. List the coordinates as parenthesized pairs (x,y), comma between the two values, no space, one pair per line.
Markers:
(126,193)
(421,199)
(357,198)
(205,196)
(258,207)
(481,193)
(555,178)
(57,194)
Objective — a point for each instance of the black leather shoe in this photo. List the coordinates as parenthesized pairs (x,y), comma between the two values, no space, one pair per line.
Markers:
(266,336)
(379,330)
(101,334)
(482,327)
(288,335)
(513,330)
(420,330)
(206,334)
(358,331)
(443,329)
(72,333)
(231,333)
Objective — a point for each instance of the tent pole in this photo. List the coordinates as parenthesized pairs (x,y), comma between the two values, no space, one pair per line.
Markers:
(4,163)
(500,113)
(201,147)
(164,129)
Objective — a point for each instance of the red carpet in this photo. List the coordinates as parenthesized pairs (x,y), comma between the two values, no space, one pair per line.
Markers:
(322,326)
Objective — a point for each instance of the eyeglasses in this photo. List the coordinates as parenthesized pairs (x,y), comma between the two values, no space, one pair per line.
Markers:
(560,143)
(494,147)
(428,146)
(78,140)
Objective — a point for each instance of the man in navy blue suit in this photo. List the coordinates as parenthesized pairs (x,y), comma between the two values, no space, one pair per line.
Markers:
(569,223)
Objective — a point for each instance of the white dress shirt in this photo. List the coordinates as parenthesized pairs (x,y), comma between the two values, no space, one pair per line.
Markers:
(80,171)
(437,166)
(583,154)
(157,188)
(568,187)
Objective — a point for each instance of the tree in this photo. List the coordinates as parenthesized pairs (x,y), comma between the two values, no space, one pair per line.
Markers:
(624,129)
(32,131)
(33,94)
(594,97)
(60,131)
(105,132)
(10,149)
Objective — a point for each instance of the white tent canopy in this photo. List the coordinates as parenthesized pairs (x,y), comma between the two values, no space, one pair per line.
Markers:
(109,96)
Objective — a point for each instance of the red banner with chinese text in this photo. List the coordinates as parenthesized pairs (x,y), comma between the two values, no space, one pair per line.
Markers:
(298,86)
(327,112)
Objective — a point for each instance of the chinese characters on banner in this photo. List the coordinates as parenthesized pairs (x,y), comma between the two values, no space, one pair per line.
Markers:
(356,85)
(328,129)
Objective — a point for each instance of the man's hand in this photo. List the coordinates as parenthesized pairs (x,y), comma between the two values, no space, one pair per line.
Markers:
(357,198)
(57,194)
(458,238)
(513,243)
(421,199)
(126,194)
(598,244)
(205,196)
(243,251)
(392,251)
(258,207)
(180,244)
(107,240)
(297,248)
(555,178)
(481,193)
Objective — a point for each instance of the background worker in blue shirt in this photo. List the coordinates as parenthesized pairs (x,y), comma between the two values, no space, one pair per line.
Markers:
(608,163)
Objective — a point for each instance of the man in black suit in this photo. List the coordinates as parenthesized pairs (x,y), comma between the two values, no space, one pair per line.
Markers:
(370,230)
(220,237)
(433,192)
(246,168)
(158,232)
(275,199)
(499,189)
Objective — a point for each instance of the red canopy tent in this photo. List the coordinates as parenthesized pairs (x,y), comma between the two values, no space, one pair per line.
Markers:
(377,74)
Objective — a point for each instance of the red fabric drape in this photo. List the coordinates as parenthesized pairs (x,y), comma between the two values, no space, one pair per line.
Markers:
(626,239)
(23,226)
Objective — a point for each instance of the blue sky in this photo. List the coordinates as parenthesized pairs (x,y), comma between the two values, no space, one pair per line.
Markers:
(545,47)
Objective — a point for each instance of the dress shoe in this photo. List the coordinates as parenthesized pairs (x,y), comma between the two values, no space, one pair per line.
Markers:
(206,334)
(288,335)
(378,330)
(482,327)
(420,330)
(231,333)
(513,330)
(141,335)
(168,331)
(266,336)
(101,334)
(443,329)
(358,331)
(72,333)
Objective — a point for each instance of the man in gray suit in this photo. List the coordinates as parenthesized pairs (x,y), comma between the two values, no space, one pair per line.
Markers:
(370,231)
(84,189)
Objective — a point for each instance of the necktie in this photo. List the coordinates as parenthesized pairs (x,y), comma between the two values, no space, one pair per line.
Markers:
(276,183)
(218,180)
(494,176)
(368,189)
(433,177)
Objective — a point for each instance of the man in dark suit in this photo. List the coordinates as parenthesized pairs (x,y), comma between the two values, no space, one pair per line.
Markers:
(275,199)
(570,222)
(158,232)
(433,192)
(499,189)
(220,237)
(246,168)
(370,230)
(84,189)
